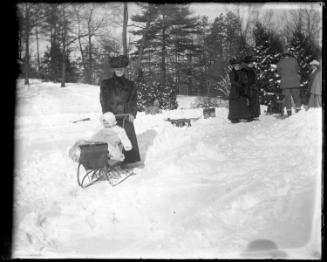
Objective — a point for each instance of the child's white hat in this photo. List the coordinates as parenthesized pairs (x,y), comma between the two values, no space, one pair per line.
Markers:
(314,62)
(109,118)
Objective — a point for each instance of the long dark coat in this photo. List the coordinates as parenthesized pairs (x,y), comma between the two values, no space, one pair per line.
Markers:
(288,69)
(238,108)
(119,96)
(249,82)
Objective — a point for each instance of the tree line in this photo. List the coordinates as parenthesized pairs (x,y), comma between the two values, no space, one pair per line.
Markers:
(172,51)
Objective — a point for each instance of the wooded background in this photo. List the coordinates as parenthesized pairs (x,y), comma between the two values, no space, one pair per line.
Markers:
(171,50)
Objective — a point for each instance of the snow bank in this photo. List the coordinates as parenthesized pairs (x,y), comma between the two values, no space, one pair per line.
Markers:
(206,191)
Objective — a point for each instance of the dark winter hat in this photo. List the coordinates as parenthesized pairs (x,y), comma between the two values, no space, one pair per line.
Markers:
(234,61)
(119,61)
(287,52)
(248,59)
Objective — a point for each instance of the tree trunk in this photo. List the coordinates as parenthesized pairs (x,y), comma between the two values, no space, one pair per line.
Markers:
(63,72)
(64,34)
(37,50)
(163,56)
(27,35)
(140,55)
(79,39)
(63,67)
(90,71)
(125,29)
(82,53)
(20,46)
(176,65)
(26,60)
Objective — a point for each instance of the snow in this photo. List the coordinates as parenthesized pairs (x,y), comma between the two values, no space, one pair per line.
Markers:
(205,191)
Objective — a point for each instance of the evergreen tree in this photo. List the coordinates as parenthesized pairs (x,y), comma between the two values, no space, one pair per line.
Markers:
(223,42)
(268,49)
(169,33)
(50,66)
(51,69)
(201,71)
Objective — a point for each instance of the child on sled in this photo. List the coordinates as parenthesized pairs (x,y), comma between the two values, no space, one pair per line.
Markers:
(112,134)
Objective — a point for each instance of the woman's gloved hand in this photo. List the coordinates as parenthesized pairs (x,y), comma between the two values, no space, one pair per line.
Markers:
(131,118)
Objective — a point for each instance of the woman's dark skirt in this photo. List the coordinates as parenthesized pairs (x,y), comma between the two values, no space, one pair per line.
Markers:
(133,155)
(238,109)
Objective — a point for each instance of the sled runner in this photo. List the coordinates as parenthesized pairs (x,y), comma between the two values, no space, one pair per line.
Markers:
(93,164)
(181,121)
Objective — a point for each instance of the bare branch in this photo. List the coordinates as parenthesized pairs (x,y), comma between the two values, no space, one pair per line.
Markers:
(142,27)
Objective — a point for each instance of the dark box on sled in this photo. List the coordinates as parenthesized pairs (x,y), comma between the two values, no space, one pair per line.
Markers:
(209,112)
(94,156)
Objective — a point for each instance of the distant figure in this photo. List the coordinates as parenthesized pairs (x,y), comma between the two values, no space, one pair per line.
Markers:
(238,102)
(288,69)
(315,85)
(154,108)
(250,86)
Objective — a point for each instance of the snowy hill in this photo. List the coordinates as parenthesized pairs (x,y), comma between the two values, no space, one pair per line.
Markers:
(206,191)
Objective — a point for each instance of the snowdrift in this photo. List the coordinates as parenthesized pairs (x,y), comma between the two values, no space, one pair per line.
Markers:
(212,190)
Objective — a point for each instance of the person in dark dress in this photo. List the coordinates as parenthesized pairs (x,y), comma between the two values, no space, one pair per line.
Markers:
(249,82)
(119,96)
(238,102)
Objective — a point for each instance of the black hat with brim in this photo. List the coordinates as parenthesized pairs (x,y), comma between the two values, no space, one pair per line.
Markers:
(119,61)
(234,61)
(287,54)
(248,59)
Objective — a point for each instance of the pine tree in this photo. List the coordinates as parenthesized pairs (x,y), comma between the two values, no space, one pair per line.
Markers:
(223,42)
(232,43)
(169,41)
(268,49)
(201,70)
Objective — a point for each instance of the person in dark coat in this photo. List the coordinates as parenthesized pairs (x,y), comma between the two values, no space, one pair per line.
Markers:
(288,69)
(119,96)
(238,103)
(249,82)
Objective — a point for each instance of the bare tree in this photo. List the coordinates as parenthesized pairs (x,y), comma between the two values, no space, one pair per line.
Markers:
(87,17)
(37,48)
(80,34)
(248,15)
(30,15)
(308,18)
(27,32)
(312,23)
(125,28)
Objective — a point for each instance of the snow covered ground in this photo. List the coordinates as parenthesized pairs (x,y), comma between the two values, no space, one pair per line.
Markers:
(213,190)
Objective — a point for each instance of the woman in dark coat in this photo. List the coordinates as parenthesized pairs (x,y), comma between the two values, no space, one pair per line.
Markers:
(238,108)
(249,82)
(119,96)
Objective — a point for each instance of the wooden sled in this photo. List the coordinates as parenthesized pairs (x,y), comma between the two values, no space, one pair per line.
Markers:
(93,164)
